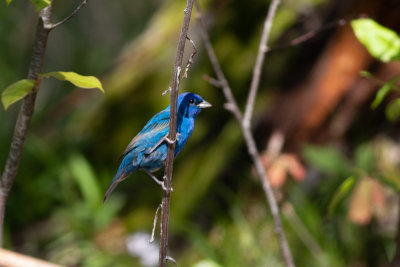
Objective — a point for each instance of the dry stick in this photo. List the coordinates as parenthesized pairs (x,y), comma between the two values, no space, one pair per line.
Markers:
(24,117)
(172,136)
(255,81)
(251,146)
(52,26)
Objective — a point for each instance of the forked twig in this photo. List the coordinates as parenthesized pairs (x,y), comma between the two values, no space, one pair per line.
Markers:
(190,61)
(55,25)
(249,139)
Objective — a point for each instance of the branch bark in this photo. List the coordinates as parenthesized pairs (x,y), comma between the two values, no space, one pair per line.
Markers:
(163,255)
(25,114)
(43,29)
(249,139)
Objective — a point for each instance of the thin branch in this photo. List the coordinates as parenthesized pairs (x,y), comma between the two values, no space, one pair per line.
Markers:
(190,61)
(251,146)
(43,29)
(255,81)
(55,25)
(154,224)
(223,83)
(311,34)
(25,114)
(163,255)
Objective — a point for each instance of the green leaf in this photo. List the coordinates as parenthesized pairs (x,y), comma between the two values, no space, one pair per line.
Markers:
(381,42)
(326,159)
(383,91)
(16,91)
(364,157)
(86,82)
(341,193)
(40,4)
(365,74)
(8,2)
(85,177)
(393,110)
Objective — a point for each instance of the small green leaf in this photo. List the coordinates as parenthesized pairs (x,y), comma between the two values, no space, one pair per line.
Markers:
(16,91)
(85,177)
(393,110)
(326,159)
(86,82)
(383,91)
(40,4)
(8,2)
(364,157)
(341,193)
(381,42)
(365,74)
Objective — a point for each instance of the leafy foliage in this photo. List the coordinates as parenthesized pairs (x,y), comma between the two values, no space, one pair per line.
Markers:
(40,4)
(16,91)
(381,42)
(86,82)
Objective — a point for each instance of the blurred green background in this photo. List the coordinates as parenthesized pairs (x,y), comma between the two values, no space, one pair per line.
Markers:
(343,212)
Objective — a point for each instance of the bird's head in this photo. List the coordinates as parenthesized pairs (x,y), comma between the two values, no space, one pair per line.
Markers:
(190,105)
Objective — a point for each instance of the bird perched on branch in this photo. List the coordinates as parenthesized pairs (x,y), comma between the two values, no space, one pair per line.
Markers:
(148,150)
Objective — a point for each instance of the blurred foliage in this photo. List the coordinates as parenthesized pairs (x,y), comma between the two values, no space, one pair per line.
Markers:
(219,215)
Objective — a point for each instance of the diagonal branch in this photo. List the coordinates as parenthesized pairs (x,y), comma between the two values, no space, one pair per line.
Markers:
(43,29)
(25,114)
(163,256)
(255,81)
(55,25)
(249,139)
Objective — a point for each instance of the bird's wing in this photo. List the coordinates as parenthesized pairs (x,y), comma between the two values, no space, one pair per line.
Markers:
(159,123)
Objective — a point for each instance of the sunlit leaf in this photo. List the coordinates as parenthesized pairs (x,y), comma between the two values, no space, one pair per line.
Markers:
(8,2)
(341,193)
(384,90)
(381,42)
(393,110)
(16,91)
(40,4)
(86,82)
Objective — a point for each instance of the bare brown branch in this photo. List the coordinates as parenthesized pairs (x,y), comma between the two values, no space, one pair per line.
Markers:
(163,256)
(25,114)
(55,25)
(251,146)
(262,49)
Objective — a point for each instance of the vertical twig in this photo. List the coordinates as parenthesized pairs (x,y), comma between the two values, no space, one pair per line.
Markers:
(43,29)
(262,49)
(163,255)
(251,146)
(25,114)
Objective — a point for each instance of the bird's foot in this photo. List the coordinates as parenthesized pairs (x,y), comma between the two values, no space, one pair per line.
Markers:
(169,141)
(161,183)
(169,258)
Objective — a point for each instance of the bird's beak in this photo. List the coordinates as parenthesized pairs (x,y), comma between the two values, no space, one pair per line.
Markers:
(204,104)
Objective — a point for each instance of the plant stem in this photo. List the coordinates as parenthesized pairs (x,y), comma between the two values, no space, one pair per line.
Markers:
(25,114)
(163,255)
(249,139)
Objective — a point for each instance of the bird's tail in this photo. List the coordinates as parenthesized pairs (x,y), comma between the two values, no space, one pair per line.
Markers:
(119,177)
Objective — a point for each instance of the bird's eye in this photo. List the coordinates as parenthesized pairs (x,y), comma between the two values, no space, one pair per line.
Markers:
(191,101)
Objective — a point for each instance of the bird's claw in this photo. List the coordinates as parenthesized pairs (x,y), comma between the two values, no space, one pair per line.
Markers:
(164,187)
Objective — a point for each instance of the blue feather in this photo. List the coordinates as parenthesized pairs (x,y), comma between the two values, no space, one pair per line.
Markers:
(147,151)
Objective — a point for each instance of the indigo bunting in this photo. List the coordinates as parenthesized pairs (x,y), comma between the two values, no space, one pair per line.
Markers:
(148,149)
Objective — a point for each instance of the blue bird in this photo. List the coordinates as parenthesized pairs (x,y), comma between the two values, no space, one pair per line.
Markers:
(148,149)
